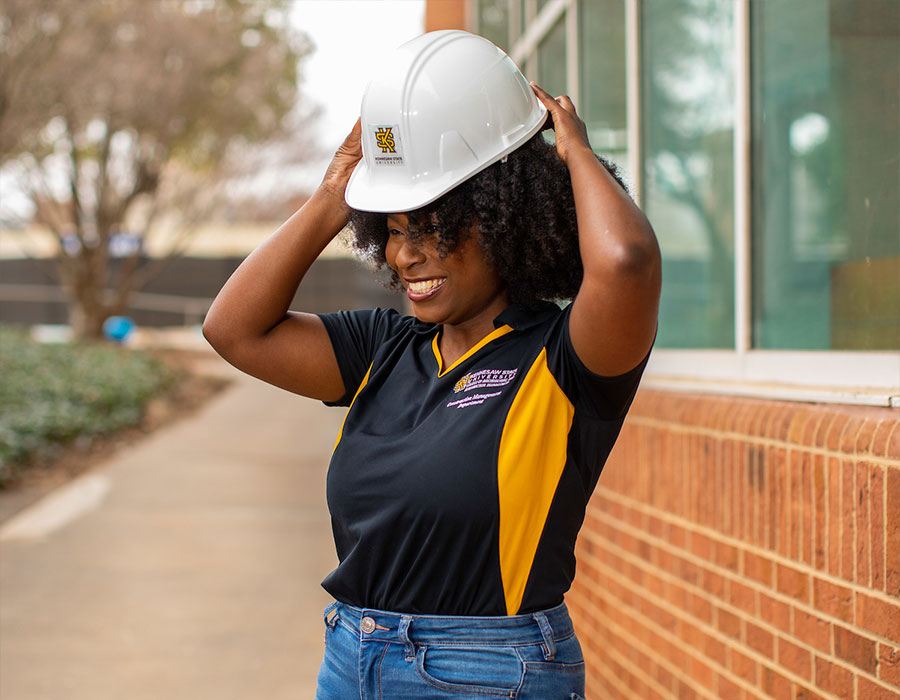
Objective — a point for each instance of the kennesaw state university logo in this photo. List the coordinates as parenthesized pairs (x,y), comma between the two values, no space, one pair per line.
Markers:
(388,148)
(384,137)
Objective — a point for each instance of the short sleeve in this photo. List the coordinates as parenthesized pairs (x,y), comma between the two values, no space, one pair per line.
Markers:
(608,398)
(356,337)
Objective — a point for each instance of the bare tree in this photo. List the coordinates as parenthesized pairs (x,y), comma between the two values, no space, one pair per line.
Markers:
(114,112)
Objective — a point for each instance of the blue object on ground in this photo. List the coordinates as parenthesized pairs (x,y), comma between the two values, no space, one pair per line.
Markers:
(118,328)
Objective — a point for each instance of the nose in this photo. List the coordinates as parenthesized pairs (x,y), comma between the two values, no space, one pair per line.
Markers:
(402,253)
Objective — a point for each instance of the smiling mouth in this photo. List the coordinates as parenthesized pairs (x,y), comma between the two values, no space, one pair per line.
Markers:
(422,289)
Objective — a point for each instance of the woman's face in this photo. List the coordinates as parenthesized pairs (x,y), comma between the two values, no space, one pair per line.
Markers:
(458,288)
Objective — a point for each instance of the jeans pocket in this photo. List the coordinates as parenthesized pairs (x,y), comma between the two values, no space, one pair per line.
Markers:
(490,671)
(560,676)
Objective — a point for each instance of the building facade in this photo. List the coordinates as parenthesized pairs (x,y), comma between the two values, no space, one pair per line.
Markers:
(744,539)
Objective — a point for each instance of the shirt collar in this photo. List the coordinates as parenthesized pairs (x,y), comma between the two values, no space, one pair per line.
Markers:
(519,317)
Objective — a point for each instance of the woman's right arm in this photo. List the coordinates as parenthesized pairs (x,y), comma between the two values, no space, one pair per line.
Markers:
(249,323)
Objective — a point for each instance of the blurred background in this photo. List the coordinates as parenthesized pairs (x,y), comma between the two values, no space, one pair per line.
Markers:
(744,540)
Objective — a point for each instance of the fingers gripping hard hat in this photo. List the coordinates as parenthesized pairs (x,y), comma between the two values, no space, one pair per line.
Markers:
(445,106)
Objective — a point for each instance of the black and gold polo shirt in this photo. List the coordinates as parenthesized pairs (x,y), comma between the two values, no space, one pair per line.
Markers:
(460,490)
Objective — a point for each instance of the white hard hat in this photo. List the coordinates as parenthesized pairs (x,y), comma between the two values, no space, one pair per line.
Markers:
(445,106)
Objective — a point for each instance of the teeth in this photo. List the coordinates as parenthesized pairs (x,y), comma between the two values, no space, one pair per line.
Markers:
(425,286)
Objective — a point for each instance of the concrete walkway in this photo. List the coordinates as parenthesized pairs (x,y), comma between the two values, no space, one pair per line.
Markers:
(185,568)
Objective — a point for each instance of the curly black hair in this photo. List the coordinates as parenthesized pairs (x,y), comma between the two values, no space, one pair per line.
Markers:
(525,215)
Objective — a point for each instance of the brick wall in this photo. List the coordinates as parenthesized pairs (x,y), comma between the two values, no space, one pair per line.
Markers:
(738,548)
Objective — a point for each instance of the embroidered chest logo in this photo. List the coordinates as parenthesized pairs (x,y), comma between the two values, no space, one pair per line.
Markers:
(482,379)
(384,137)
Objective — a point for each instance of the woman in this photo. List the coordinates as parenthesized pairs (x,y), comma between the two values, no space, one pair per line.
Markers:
(477,429)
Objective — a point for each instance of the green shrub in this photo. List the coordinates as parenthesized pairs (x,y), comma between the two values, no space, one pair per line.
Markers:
(51,394)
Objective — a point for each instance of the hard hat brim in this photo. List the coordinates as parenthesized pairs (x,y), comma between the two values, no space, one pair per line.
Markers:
(365,193)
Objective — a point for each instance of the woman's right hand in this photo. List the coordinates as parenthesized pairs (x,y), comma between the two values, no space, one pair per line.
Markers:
(345,159)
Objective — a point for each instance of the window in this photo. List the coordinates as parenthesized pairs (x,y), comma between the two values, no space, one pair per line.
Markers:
(551,60)
(688,165)
(764,140)
(826,186)
(602,96)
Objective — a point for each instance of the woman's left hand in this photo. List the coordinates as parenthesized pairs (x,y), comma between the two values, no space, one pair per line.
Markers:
(571,132)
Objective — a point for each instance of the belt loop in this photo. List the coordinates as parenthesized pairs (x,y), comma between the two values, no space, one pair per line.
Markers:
(331,621)
(404,637)
(547,634)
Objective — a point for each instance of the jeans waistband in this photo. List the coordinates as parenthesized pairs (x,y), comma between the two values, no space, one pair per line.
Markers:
(545,626)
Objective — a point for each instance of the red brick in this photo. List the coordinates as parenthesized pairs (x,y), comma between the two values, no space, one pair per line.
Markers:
(851,431)
(776,685)
(892,531)
(878,616)
(759,639)
(757,568)
(775,487)
(795,658)
(835,429)
(819,522)
(892,450)
(775,612)
(726,689)
(854,649)
(872,691)
(811,428)
(822,429)
(728,624)
(881,437)
(806,499)
(876,526)
(848,524)
(863,518)
(833,534)
(700,608)
(833,679)
(812,630)
(726,556)
(743,666)
(889,664)
(864,436)
(780,427)
(792,582)
(676,535)
(743,597)
(715,650)
(804,693)
(701,546)
(833,599)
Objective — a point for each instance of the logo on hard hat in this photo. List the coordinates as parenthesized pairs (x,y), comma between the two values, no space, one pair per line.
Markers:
(387,144)
(384,137)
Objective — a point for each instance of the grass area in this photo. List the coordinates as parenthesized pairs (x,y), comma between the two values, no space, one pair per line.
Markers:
(51,395)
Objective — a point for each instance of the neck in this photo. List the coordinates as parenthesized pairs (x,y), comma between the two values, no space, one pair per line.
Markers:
(457,338)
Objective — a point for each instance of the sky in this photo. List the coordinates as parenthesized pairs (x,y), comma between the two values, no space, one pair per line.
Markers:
(350,36)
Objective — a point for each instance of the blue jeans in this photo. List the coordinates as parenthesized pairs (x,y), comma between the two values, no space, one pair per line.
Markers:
(377,655)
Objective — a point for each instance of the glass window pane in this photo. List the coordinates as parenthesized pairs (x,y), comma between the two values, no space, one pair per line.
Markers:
(551,59)
(493,22)
(603,100)
(826,195)
(688,136)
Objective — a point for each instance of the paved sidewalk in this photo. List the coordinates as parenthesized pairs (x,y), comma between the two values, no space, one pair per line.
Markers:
(185,568)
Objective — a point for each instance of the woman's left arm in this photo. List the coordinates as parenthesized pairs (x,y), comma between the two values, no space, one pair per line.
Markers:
(613,318)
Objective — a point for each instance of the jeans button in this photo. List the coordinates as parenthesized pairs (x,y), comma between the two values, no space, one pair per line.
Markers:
(367,625)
